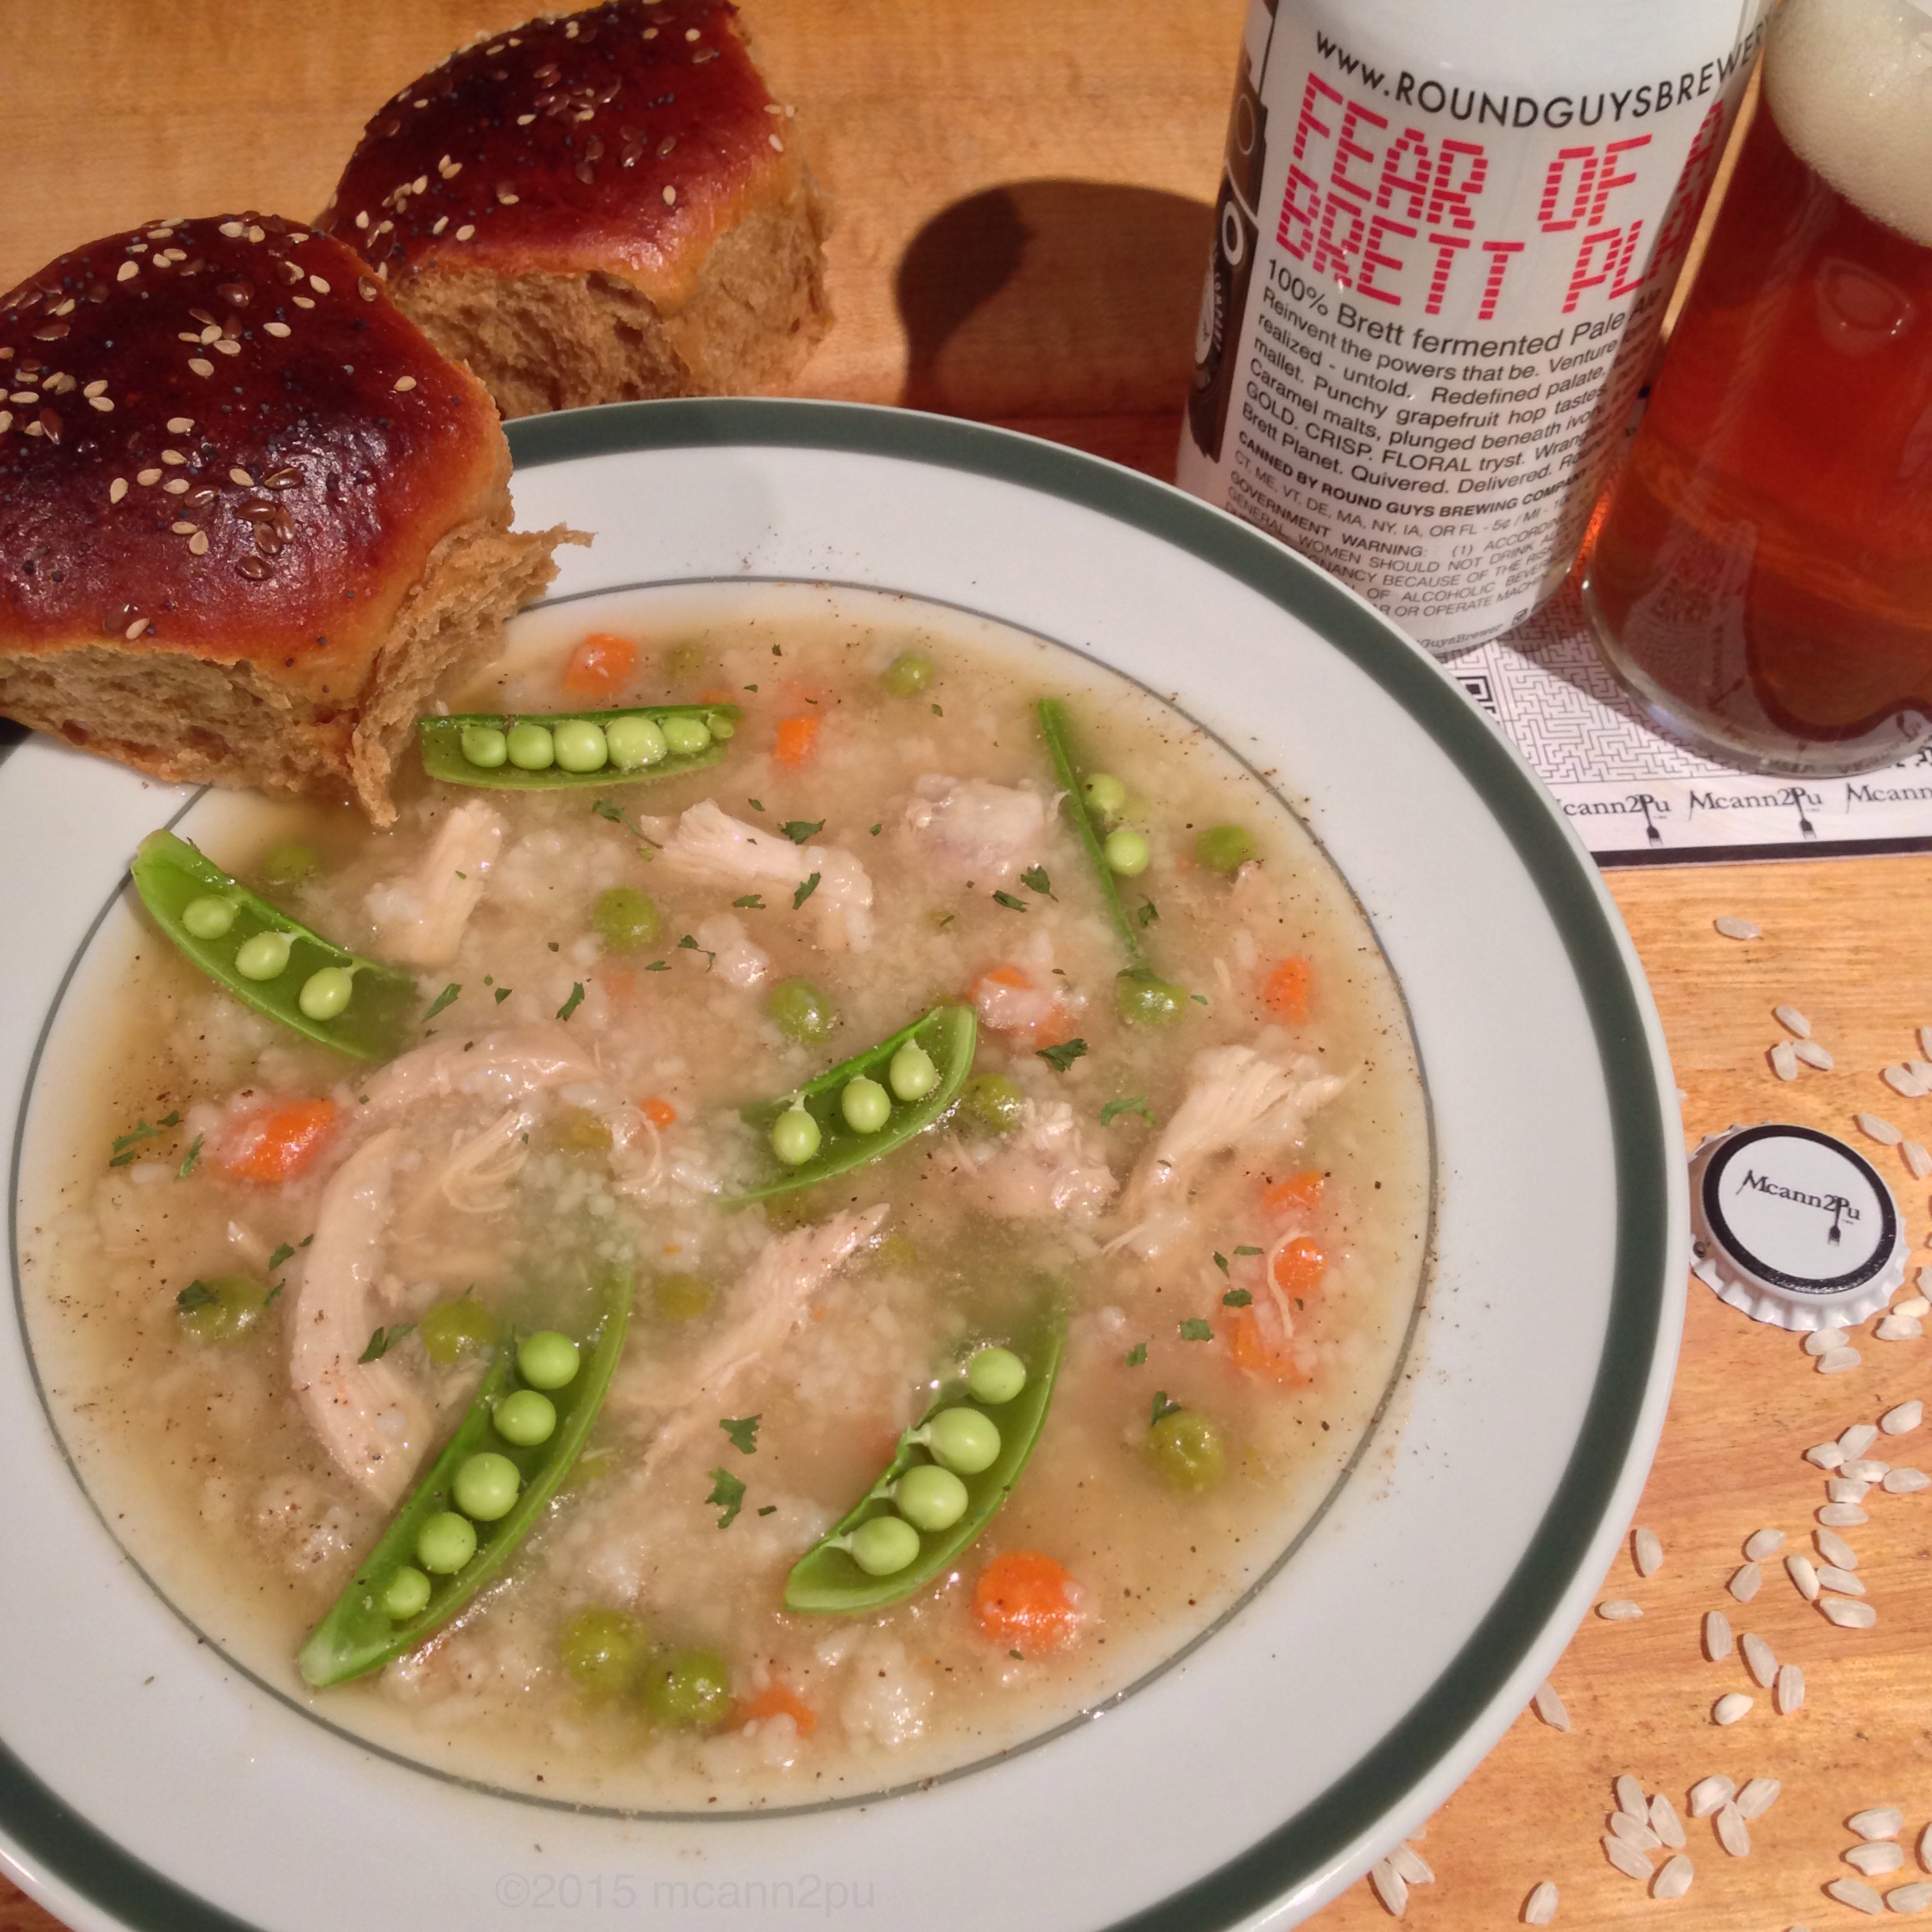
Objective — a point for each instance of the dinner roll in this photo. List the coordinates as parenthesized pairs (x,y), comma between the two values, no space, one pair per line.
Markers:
(248,513)
(595,209)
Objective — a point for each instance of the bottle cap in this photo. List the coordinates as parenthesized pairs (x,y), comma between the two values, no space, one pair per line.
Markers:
(1794,1227)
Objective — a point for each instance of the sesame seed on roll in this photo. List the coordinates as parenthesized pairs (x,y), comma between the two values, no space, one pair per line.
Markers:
(596,208)
(249,514)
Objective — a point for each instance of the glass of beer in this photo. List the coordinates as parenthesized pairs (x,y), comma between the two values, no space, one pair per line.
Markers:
(1761,581)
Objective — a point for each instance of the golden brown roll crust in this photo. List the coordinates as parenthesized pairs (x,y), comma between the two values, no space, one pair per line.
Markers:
(566,207)
(237,489)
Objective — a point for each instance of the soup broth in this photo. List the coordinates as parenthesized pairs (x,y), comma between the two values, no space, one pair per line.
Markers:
(1223,1191)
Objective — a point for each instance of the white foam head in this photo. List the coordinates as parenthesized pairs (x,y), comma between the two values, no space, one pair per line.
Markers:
(1849,83)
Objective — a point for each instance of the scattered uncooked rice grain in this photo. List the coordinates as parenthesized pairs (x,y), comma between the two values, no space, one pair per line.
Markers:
(1716,1636)
(1732,1833)
(1857,1438)
(1902,1420)
(1646,1553)
(1731,1706)
(1838,1361)
(1633,1831)
(1539,1908)
(1906,1482)
(1813,1055)
(1899,1328)
(1917,1159)
(1390,1887)
(1904,1083)
(1915,1306)
(1758,1795)
(1842,1516)
(1759,1660)
(1910,1898)
(1801,1572)
(1792,1021)
(1785,1060)
(1761,1543)
(1848,1612)
(1825,1455)
(1832,1577)
(1867,1470)
(1665,1822)
(1878,1822)
(1857,1894)
(1412,1866)
(1875,1859)
(1834,1550)
(1845,1489)
(1707,1793)
(1549,1706)
(1737,928)
(1673,1881)
(1925,1041)
(1877,1127)
(1744,1585)
(1626,1858)
(1925,1847)
(1790,1689)
(1620,1610)
(1822,1341)
(1630,1795)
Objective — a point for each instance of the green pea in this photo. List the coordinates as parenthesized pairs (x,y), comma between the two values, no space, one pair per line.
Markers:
(223,1310)
(995,1376)
(484,746)
(445,1543)
(626,919)
(1186,1449)
(687,737)
(865,1104)
(907,674)
(602,1650)
(449,1330)
(800,1011)
(635,743)
(963,1440)
(407,1594)
(912,1076)
(1105,794)
(690,1690)
(525,1418)
(884,1545)
(208,917)
(486,1485)
(325,993)
(1126,853)
(263,955)
(581,746)
(1224,849)
(547,1360)
(929,1497)
(722,728)
(1145,999)
(289,864)
(530,746)
(681,1297)
(795,1134)
(992,1102)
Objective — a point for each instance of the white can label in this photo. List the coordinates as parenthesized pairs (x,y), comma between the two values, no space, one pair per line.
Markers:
(1435,300)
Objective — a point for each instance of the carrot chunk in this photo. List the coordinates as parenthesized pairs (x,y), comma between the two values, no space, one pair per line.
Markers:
(1299,1267)
(600,666)
(1024,1601)
(277,1142)
(1257,1351)
(796,736)
(1285,992)
(776,1700)
(659,1113)
(1296,1193)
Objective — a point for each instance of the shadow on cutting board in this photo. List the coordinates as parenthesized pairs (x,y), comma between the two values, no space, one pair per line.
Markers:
(1054,298)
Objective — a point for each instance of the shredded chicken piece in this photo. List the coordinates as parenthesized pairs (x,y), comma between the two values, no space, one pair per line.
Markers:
(500,1068)
(735,959)
(1046,1167)
(419,916)
(977,829)
(709,843)
(1237,1102)
(372,1422)
(476,1177)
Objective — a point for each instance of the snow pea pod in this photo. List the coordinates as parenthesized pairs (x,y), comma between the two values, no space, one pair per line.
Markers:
(828,1578)
(531,751)
(365,1008)
(362,1630)
(1057,728)
(947,1035)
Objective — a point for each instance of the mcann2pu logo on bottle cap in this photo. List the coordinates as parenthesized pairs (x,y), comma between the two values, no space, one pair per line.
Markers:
(1794,1227)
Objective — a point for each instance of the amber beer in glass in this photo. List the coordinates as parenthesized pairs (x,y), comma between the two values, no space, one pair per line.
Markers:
(1761,580)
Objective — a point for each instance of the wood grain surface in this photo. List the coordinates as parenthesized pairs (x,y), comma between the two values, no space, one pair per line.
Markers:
(1024,199)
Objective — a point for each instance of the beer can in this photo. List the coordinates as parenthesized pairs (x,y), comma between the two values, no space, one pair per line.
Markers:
(1444,241)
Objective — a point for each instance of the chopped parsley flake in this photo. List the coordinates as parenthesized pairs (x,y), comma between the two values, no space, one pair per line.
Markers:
(442,999)
(125,1145)
(743,1433)
(1034,879)
(799,830)
(1135,1103)
(1163,1405)
(1247,1251)
(1236,1297)
(1194,1329)
(804,891)
(198,1294)
(658,966)
(752,902)
(501,994)
(1146,915)
(754,804)
(1012,903)
(1221,1262)
(728,1493)
(383,1340)
(575,999)
(188,1166)
(691,945)
(1137,1355)
(1063,1056)
(285,1252)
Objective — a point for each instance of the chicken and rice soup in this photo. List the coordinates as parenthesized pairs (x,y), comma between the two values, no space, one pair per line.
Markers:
(1088,1290)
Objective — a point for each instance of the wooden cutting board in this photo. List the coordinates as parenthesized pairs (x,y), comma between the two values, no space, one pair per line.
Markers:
(1023,199)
